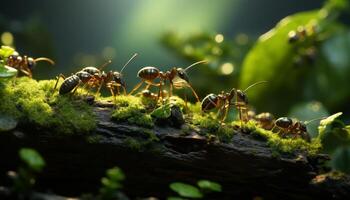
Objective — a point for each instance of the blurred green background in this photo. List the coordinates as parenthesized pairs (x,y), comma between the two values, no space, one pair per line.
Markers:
(171,33)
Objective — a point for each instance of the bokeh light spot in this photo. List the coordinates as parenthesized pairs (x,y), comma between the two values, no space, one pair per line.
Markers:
(227,68)
(219,38)
(7,38)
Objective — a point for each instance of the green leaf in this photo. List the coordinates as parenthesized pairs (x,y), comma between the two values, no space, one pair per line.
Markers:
(325,123)
(32,158)
(115,174)
(7,72)
(6,51)
(209,185)
(7,123)
(341,159)
(272,59)
(186,190)
(333,133)
(162,112)
(309,111)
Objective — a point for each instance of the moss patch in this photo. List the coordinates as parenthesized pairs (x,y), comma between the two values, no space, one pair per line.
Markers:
(35,102)
(131,109)
(283,145)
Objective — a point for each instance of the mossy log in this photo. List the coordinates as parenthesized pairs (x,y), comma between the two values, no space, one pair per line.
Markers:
(246,167)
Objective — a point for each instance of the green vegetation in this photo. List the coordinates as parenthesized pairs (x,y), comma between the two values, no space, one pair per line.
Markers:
(25,177)
(283,145)
(111,184)
(185,190)
(131,109)
(27,100)
(6,72)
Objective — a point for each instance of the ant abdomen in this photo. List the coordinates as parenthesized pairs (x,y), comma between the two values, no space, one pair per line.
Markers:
(69,84)
(209,102)
(148,73)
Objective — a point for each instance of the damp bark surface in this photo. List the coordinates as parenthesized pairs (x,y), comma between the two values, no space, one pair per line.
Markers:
(245,167)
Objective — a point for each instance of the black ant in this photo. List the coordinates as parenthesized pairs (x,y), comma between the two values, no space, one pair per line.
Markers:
(88,75)
(149,74)
(223,101)
(94,77)
(294,126)
(25,64)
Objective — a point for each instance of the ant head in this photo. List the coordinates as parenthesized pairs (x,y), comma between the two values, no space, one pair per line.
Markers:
(284,122)
(232,92)
(31,63)
(302,126)
(182,74)
(118,78)
(242,97)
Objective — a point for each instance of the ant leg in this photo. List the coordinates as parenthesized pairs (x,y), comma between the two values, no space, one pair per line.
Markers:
(76,87)
(57,79)
(147,86)
(160,92)
(211,101)
(124,90)
(136,87)
(171,90)
(227,107)
(186,107)
(99,87)
(194,93)
(113,94)
(27,73)
(118,90)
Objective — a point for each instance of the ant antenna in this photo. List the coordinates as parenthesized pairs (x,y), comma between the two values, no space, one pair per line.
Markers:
(196,63)
(254,84)
(45,59)
(104,65)
(309,121)
(132,57)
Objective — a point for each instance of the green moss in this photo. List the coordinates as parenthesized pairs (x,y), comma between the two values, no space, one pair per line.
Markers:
(224,133)
(35,102)
(93,139)
(283,145)
(141,145)
(206,121)
(130,109)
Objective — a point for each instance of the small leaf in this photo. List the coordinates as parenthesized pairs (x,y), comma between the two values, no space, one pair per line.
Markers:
(7,72)
(32,158)
(7,123)
(333,133)
(341,159)
(115,174)
(326,122)
(209,185)
(6,51)
(186,190)
(162,112)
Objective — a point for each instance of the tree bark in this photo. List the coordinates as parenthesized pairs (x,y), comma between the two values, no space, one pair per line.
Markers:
(246,167)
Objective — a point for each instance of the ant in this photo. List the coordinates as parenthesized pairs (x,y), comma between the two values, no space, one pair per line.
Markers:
(223,101)
(149,74)
(265,120)
(25,64)
(294,126)
(88,75)
(94,77)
